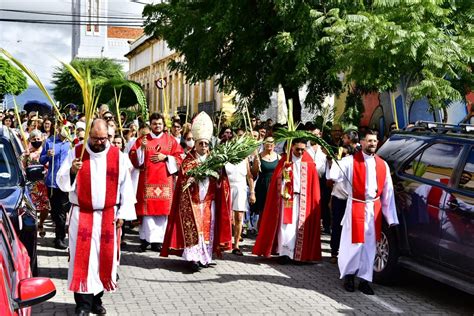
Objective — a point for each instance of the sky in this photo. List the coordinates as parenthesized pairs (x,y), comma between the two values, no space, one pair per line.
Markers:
(40,46)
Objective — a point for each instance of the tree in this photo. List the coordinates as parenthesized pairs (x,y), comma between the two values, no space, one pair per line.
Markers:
(106,72)
(423,46)
(251,46)
(12,80)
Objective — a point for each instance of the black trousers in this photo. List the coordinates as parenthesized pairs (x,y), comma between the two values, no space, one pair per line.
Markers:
(59,207)
(86,302)
(325,193)
(338,208)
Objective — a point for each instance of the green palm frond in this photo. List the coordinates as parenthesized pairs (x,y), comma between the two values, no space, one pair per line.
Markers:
(233,152)
(284,135)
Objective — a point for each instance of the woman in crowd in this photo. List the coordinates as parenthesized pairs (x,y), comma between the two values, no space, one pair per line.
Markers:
(263,166)
(46,127)
(39,191)
(8,121)
(187,142)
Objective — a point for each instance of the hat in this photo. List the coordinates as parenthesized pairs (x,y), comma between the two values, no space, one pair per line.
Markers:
(202,127)
(269,140)
(80,124)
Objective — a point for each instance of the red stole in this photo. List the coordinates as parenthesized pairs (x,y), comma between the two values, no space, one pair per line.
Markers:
(86,221)
(156,184)
(358,194)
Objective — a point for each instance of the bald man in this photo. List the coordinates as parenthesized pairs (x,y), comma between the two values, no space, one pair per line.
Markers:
(102,197)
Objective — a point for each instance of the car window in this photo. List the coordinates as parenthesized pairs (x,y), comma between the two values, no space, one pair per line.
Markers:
(435,162)
(466,181)
(9,172)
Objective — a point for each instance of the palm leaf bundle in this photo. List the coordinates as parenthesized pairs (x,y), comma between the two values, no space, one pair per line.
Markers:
(90,96)
(282,135)
(233,152)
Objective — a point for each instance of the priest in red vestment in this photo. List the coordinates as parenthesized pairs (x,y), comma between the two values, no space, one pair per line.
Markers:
(199,223)
(158,156)
(290,224)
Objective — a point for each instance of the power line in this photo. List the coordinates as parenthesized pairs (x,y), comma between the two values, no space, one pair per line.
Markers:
(71,15)
(65,22)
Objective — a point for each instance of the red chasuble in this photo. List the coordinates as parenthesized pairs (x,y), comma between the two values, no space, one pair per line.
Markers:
(86,221)
(155,184)
(358,194)
(185,222)
(308,242)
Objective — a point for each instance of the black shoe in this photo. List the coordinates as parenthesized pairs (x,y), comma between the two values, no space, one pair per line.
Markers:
(99,310)
(82,313)
(143,245)
(365,288)
(195,266)
(60,244)
(212,264)
(349,283)
(203,265)
(155,246)
(237,252)
(283,260)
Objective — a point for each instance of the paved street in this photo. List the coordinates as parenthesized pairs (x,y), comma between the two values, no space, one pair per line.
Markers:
(152,285)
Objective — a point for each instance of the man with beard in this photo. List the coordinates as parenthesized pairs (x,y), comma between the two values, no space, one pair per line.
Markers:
(290,224)
(101,193)
(199,222)
(366,178)
(158,157)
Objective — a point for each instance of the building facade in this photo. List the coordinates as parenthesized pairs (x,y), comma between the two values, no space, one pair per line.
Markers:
(168,91)
(92,37)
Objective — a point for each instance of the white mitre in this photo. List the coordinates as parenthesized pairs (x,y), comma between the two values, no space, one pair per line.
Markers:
(202,127)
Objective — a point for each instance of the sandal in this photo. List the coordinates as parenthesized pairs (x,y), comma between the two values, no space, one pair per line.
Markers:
(41,231)
(237,252)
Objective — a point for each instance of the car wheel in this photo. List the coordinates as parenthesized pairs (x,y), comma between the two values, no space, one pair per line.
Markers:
(386,257)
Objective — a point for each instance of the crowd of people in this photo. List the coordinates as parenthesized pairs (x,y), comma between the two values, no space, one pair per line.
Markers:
(137,174)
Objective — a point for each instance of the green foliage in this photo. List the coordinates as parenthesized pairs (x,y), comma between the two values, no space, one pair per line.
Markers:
(424,44)
(106,73)
(284,135)
(354,109)
(251,46)
(233,152)
(12,80)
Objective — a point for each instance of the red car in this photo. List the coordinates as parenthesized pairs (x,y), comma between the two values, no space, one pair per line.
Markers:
(18,290)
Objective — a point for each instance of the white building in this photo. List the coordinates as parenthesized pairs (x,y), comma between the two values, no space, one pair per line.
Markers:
(93,38)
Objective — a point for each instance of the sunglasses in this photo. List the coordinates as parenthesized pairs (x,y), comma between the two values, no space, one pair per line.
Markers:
(300,149)
(176,126)
(107,118)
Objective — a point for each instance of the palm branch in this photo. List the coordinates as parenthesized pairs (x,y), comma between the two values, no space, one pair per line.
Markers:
(233,152)
(90,96)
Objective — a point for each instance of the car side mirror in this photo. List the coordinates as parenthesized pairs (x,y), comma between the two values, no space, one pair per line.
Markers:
(34,173)
(33,291)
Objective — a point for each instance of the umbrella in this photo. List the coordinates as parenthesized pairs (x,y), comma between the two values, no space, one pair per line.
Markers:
(38,106)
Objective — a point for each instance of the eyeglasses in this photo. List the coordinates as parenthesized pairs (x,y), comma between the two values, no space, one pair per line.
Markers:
(189,138)
(177,126)
(203,144)
(108,118)
(300,149)
(99,139)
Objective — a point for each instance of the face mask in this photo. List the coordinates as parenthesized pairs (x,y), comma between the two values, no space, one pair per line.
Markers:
(36,144)
(190,143)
